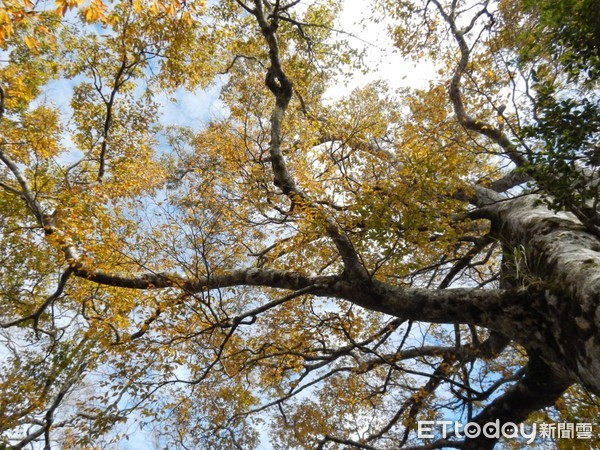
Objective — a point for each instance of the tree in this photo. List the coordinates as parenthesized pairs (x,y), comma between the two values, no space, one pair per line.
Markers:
(342,269)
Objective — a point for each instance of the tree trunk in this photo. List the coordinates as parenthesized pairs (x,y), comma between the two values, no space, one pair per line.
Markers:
(553,253)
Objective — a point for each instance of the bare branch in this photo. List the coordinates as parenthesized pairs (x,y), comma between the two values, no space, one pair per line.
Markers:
(37,314)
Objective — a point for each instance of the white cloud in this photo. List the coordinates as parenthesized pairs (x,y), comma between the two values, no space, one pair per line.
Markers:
(196,109)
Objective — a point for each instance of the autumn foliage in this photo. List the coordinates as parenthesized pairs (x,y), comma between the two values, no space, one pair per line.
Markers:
(276,273)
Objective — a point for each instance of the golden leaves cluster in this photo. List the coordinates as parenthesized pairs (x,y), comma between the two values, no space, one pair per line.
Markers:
(133,197)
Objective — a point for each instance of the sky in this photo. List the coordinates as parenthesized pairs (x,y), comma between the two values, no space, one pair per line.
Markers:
(384,62)
(202,106)
(198,108)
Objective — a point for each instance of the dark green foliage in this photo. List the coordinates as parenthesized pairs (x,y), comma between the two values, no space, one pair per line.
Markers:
(563,148)
(572,29)
(567,152)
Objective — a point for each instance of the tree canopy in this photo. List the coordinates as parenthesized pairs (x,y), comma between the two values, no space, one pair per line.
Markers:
(297,270)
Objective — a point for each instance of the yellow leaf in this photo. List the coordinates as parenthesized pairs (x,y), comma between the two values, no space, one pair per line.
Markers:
(32,43)
(89,14)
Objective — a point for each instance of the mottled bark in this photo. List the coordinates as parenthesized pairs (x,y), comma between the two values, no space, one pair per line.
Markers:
(558,257)
(562,259)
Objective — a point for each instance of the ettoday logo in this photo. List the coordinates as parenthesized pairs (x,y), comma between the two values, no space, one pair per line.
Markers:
(509,430)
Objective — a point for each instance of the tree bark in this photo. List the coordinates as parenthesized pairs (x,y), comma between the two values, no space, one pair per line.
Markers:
(537,389)
(561,259)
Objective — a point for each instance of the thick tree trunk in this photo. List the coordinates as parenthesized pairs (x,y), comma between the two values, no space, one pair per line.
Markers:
(555,254)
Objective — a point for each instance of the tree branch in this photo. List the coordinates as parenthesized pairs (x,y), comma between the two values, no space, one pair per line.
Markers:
(25,193)
(281,87)
(51,298)
(536,390)
(455,94)
(510,180)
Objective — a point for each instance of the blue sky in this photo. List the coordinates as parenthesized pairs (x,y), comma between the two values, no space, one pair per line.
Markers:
(196,109)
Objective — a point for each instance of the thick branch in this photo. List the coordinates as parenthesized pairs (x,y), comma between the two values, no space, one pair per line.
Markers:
(455,94)
(281,87)
(488,308)
(494,309)
(445,306)
(510,180)
(536,390)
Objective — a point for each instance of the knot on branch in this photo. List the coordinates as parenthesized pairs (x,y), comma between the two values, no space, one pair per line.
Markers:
(273,25)
(279,85)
